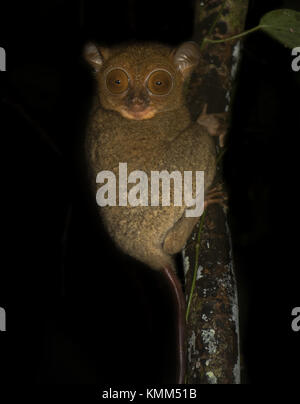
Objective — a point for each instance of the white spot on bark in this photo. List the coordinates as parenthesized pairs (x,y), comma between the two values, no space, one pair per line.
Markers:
(235,58)
(186,262)
(236,372)
(192,346)
(208,337)
(235,311)
(204,317)
(235,62)
(199,272)
(211,378)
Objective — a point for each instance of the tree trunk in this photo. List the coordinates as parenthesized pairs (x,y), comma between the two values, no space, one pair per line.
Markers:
(212,324)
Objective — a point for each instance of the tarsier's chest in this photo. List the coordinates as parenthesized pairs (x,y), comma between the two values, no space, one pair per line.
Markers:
(141,149)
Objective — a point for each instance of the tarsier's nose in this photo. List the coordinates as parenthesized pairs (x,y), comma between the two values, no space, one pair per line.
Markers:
(137,100)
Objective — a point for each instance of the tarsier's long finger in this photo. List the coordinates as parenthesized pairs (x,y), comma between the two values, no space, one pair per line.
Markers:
(219,201)
(217,194)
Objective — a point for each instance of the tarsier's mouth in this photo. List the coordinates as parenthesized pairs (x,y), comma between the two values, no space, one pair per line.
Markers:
(138,114)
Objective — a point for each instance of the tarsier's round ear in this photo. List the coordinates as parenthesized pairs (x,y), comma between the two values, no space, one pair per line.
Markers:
(186,57)
(95,55)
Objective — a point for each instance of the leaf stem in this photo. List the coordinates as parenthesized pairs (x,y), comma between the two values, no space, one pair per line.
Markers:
(197,248)
(231,38)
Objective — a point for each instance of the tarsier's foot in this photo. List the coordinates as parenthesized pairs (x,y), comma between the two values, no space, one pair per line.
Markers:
(216,124)
(216,195)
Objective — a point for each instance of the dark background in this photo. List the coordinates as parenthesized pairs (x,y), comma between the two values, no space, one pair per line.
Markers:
(78,311)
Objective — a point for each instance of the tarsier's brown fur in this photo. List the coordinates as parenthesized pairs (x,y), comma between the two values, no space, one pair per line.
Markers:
(148,132)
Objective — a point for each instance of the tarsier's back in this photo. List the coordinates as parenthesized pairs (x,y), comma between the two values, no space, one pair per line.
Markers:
(142,121)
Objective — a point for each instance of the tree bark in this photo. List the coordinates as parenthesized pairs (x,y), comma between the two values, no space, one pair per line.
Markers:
(212,324)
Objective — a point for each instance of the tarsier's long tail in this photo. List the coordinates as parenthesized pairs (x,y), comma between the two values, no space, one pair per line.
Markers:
(180,307)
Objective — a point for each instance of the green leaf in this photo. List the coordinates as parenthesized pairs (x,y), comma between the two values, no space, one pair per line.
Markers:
(283,25)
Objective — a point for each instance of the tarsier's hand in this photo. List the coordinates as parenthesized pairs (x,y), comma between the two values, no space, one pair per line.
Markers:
(216,124)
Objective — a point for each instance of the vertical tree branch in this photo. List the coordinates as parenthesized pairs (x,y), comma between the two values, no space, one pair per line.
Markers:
(212,326)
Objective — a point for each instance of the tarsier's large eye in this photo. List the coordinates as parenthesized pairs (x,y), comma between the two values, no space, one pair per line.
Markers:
(117,81)
(160,82)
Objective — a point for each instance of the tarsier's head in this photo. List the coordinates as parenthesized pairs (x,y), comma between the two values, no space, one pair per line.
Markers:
(139,81)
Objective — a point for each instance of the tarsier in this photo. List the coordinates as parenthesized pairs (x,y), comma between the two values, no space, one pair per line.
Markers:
(140,118)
